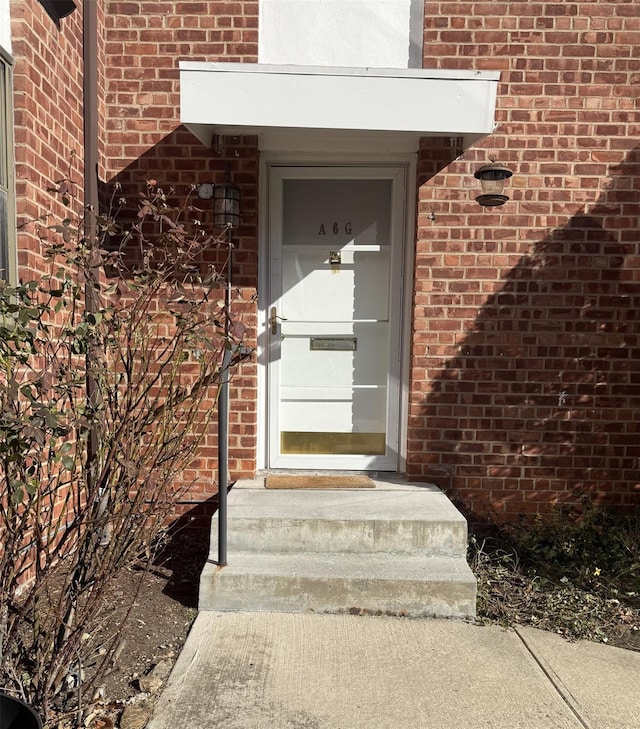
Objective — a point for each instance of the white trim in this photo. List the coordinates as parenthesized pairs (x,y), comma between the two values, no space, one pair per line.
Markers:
(262,350)
(411,201)
(291,70)
(394,106)
(360,154)
(403,171)
(337,143)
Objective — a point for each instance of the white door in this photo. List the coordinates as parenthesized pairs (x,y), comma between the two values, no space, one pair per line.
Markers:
(333,329)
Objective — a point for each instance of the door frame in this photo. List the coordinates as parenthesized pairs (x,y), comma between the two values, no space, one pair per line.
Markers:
(405,163)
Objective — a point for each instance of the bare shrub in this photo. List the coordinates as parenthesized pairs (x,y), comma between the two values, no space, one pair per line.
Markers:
(103,368)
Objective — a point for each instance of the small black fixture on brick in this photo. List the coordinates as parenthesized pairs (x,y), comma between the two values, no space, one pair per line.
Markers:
(58,9)
(492,178)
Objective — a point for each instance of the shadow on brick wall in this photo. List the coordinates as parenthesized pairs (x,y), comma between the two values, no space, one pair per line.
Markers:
(541,405)
(177,163)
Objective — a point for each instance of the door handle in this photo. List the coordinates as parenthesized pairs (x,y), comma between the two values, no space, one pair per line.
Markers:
(273,320)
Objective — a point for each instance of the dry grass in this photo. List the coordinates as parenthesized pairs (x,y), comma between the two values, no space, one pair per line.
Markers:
(574,574)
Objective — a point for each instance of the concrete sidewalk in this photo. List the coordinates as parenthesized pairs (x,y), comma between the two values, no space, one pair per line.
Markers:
(308,671)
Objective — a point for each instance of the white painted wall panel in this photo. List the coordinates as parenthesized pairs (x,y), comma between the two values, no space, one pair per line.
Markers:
(5,25)
(373,33)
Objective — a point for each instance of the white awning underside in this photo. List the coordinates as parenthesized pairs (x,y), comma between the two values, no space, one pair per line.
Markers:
(295,107)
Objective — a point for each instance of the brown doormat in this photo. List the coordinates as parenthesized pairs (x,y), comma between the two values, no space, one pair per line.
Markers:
(318,482)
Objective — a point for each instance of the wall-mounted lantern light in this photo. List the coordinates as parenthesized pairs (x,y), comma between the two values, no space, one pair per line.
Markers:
(226,205)
(492,178)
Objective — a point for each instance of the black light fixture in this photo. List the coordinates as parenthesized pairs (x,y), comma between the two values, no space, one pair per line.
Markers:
(226,205)
(492,178)
(58,9)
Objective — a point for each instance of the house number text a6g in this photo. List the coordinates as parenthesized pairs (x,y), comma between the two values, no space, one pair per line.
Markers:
(335,228)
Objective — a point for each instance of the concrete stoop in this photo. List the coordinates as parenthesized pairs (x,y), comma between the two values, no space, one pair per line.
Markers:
(396,550)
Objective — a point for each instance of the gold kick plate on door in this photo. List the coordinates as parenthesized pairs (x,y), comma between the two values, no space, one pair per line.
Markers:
(344,444)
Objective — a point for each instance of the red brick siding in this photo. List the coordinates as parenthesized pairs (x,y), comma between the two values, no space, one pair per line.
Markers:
(144,42)
(517,305)
(525,376)
(48,132)
(48,117)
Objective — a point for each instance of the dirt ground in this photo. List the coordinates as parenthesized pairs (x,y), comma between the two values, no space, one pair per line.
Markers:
(149,635)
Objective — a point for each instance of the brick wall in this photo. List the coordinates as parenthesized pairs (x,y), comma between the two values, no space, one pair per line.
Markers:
(525,376)
(144,42)
(48,129)
(48,117)
(526,347)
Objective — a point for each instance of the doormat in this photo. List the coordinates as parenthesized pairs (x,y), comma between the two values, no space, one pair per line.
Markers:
(318,482)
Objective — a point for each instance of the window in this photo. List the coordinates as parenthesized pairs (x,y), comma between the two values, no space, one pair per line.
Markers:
(7,211)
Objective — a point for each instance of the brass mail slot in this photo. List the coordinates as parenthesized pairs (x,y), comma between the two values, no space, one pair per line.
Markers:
(341,344)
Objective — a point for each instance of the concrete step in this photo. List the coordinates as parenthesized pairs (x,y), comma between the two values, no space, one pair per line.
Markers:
(398,549)
(332,582)
(390,518)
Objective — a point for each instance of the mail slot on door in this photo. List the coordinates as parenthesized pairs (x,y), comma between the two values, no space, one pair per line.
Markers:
(338,344)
